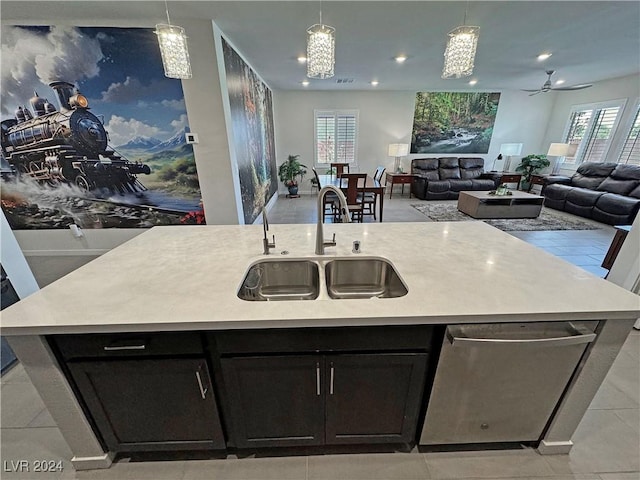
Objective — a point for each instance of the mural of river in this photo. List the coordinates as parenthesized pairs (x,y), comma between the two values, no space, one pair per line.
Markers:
(452,122)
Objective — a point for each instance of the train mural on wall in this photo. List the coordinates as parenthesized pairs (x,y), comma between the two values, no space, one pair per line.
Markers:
(69,144)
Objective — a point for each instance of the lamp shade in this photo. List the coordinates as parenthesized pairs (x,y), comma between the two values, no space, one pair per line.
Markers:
(174,51)
(562,150)
(398,149)
(511,149)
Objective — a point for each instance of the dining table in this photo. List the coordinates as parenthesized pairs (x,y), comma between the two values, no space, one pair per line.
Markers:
(371,185)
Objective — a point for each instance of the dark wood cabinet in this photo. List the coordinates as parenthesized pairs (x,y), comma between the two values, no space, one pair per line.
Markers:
(275,400)
(328,399)
(144,391)
(373,398)
(151,404)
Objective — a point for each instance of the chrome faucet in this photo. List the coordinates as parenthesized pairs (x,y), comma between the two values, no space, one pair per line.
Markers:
(344,211)
(265,227)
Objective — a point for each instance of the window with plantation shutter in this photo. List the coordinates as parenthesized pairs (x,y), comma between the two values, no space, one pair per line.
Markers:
(631,149)
(591,127)
(335,136)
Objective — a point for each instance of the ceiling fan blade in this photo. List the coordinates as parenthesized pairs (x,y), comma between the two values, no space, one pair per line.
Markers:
(575,87)
(535,92)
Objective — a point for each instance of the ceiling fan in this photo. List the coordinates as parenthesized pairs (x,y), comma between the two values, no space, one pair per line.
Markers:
(547,86)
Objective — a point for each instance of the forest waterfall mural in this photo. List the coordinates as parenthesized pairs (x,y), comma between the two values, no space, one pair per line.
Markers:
(252,129)
(453,122)
(93,133)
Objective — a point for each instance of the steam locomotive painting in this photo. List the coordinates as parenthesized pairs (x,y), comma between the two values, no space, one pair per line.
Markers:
(69,144)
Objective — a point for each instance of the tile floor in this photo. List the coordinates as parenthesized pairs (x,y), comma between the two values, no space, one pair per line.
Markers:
(607,442)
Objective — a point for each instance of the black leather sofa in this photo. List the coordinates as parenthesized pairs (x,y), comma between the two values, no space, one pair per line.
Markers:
(444,178)
(606,192)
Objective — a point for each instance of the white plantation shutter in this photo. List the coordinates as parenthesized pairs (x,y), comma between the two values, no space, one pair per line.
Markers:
(601,133)
(631,148)
(336,136)
(591,127)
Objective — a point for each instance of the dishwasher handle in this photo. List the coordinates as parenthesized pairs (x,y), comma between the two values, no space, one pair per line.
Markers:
(455,335)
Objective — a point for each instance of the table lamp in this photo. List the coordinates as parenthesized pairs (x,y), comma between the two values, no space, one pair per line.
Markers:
(398,150)
(509,149)
(561,150)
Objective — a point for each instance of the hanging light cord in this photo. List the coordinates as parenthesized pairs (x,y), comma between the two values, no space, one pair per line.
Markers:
(321,13)
(166,6)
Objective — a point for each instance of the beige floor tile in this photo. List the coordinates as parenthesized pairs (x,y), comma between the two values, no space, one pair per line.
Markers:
(632,345)
(603,442)
(132,471)
(15,375)
(31,445)
(273,468)
(488,464)
(620,476)
(20,404)
(384,466)
(630,416)
(43,419)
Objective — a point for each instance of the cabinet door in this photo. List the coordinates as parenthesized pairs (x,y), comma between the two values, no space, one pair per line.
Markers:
(373,398)
(275,400)
(145,405)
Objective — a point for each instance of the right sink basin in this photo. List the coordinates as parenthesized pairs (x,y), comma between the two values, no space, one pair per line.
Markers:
(363,278)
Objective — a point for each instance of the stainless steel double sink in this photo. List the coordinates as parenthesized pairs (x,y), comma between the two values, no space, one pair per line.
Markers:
(300,279)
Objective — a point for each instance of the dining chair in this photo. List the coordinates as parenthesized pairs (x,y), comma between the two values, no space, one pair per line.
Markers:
(370,199)
(355,181)
(340,168)
(329,202)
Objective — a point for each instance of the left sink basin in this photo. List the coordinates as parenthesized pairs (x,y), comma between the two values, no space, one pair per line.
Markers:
(273,280)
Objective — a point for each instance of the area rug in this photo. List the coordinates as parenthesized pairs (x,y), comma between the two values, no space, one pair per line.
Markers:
(549,219)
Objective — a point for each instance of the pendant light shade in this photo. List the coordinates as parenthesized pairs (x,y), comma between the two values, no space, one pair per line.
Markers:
(174,51)
(460,53)
(321,48)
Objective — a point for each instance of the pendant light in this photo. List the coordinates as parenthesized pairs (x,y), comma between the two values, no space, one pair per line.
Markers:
(173,48)
(321,50)
(460,53)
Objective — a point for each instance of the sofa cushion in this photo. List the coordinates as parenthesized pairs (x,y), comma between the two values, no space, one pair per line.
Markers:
(482,184)
(626,172)
(635,193)
(424,164)
(471,167)
(583,197)
(616,209)
(590,174)
(438,186)
(557,191)
(449,168)
(457,185)
(621,187)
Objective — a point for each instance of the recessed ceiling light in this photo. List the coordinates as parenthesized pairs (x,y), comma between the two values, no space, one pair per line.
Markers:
(305,83)
(473,82)
(374,83)
(302,59)
(401,58)
(544,56)
(559,82)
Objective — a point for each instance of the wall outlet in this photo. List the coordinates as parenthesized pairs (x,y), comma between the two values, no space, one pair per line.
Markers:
(191,137)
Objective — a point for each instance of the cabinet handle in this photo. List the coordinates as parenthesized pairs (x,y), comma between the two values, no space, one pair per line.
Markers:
(203,391)
(125,347)
(318,379)
(331,383)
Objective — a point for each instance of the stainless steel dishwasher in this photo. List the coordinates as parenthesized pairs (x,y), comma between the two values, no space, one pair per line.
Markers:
(501,382)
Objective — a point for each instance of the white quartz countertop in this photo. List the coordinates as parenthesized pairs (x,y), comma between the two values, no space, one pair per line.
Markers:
(187,278)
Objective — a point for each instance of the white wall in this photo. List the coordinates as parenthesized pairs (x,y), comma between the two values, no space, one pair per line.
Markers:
(387,117)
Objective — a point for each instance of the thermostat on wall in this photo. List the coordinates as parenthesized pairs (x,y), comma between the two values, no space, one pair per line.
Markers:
(191,137)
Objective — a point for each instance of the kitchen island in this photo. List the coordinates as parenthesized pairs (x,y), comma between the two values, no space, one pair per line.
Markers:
(186,279)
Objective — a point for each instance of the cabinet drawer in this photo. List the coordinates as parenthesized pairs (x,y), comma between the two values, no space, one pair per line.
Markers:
(127,344)
(292,340)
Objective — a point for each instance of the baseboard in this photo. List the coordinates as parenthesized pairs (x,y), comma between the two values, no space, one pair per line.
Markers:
(554,448)
(93,463)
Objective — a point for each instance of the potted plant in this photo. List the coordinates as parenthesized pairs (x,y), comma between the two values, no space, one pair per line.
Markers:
(289,171)
(531,164)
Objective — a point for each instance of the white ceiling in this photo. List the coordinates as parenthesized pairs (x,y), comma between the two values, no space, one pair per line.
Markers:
(590,40)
